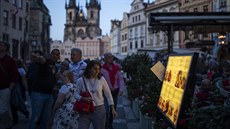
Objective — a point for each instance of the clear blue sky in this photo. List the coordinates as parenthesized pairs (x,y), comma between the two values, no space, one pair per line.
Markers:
(110,9)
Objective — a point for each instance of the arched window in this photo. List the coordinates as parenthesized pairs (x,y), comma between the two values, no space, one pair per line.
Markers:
(70,15)
(80,33)
(91,14)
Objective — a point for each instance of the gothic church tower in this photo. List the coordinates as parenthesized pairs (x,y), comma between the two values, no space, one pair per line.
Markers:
(78,25)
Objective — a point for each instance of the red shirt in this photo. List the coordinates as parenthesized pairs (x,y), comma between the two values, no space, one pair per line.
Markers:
(10,66)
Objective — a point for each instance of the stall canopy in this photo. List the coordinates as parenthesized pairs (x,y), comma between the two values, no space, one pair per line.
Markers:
(200,22)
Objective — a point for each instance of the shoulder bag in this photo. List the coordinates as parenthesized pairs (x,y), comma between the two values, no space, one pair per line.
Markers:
(82,106)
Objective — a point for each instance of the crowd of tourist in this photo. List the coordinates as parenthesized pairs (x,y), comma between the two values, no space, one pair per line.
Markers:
(52,86)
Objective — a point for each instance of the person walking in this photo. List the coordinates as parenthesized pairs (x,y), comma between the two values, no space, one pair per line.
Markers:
(42,88)
(18,97)
(32,68)
(97,86)
(8,78)
(64,115)
(77,65)
(111,73)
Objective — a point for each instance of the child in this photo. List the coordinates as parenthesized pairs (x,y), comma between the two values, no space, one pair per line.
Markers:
(64,116)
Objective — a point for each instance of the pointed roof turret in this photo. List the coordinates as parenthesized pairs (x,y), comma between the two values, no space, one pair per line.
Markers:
(93,2)
(66,4)
(72,3)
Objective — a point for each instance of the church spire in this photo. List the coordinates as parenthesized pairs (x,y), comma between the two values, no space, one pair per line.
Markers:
(93,2)
(72,3)
(66,4)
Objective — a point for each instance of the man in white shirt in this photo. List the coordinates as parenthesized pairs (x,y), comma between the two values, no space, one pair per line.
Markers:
(77,65)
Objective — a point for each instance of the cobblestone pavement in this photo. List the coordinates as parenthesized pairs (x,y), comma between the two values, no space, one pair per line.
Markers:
(125,119)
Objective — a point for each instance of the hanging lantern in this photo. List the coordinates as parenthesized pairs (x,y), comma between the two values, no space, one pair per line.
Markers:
(222,38)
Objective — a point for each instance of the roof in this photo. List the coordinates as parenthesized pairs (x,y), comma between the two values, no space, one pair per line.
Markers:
(212,21)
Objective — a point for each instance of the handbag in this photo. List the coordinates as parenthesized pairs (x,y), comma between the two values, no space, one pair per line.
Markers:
(16,98)
(82,106)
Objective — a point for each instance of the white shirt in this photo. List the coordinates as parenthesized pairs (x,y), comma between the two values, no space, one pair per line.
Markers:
(77,69)
(96,88)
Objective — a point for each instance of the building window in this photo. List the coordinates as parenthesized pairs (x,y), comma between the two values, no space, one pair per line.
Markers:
(195,9)
(136,44)
(91,14)
(158,38)
(5,17)
(20,3)
(122,38)
(186,1)
(27,7)
(223,4)
(139,17)
(142,44)
(142,31)
(80,33)
(70,15)
(205,8)
(125,36)
(15,48)
(20,23)
(187,35)
(5,37)
(131,35)
(27,24)
(131,45)
(133,20)
(14,21)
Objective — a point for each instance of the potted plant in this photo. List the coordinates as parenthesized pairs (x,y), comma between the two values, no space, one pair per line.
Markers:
(137,67)
(144,86)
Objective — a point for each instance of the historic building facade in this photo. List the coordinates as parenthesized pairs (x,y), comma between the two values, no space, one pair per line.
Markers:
(79,25)
(195,6)
(91,48)
(83,31)
(159,40)
(124,33)
(39,30)
(14,26)
(115,35)
(137,26)
(25,25)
